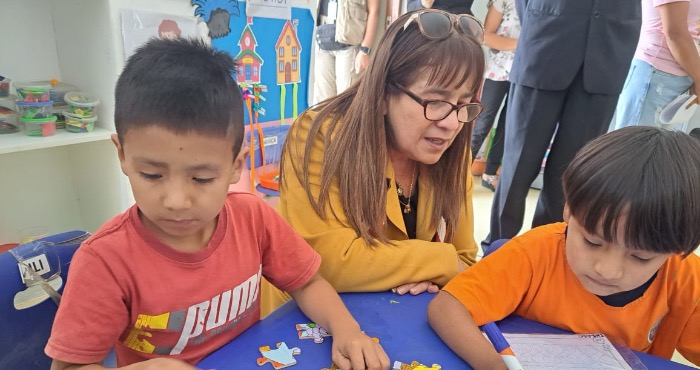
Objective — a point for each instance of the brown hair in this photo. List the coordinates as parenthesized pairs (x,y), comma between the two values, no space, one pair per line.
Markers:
(356,144)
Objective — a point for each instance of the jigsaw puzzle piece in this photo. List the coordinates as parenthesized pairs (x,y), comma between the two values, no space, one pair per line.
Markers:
(415,365)
(279,358)
(311,330)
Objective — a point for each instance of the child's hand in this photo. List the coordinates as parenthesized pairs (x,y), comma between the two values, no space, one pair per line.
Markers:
(356,351)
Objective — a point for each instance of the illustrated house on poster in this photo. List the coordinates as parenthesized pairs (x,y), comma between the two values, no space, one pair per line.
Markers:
(288,49)
(250,63)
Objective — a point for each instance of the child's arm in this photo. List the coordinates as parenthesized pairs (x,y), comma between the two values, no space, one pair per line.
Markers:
(154,364)
(352,349)
(455,326)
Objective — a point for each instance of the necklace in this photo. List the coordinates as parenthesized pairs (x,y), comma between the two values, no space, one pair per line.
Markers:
(407,205)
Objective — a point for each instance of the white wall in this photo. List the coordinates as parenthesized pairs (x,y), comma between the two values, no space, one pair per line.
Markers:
(27,53)
(66,187)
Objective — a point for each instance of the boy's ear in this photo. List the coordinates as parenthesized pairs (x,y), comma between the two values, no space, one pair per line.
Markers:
(238,164)
(120,151)
(567,213)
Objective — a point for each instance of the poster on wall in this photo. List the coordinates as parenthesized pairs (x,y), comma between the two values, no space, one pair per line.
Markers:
(272,49)
(139,25)
(281,9)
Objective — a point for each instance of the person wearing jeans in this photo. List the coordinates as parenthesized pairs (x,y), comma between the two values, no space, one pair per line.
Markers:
(666,63)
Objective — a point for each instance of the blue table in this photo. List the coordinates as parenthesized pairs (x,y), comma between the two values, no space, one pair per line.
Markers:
(398,321)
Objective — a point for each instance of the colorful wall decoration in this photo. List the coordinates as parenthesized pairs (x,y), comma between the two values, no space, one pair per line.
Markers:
(271,52)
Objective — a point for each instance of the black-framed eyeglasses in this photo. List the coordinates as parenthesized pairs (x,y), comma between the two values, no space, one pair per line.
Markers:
(438,110)
(437,24)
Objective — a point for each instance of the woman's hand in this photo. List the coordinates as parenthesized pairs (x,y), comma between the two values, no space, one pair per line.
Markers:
(416,288)
(354,350)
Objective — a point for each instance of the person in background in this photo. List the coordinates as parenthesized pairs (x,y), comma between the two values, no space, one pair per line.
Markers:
(501,31)
(666,63)
(622,264)
(377,179)
(451,6)
(178,275)
(560,82)
(344,38)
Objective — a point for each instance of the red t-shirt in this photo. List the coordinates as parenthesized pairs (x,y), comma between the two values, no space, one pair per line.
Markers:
(128,290)
(530,277)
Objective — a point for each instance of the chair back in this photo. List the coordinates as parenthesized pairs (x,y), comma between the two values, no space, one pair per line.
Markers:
(32,276)
(494,246)
(264,158)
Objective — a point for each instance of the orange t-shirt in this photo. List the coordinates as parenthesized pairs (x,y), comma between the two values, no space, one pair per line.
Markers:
(530,277)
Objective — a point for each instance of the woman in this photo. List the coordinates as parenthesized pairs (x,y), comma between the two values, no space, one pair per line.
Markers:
(501,32)
(377,179)
(666,63)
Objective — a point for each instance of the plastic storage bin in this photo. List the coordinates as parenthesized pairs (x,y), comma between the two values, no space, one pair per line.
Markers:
(5,87)
(8,124)
(39,126)
(81,104)
(35,110)
(59,90)
(79,124)
(32,92)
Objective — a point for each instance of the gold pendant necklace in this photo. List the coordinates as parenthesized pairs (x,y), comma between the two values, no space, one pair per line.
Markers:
(407,205)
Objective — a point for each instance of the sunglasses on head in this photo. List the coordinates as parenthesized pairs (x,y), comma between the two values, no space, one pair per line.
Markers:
(438,25)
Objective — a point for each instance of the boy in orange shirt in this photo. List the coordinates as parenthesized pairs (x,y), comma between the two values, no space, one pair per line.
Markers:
(178,275)
(622,263)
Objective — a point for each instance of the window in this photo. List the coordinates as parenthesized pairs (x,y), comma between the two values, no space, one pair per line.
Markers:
(281,66)
(255,71)
(294,65)
(288,40)
(294,51)
(281,51)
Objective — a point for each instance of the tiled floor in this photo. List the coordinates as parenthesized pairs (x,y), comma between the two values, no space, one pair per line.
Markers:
(482,198)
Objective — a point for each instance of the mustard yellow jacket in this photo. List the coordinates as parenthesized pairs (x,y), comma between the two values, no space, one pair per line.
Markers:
(349,263)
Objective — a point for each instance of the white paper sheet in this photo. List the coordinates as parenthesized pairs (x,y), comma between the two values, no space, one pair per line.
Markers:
(566,351)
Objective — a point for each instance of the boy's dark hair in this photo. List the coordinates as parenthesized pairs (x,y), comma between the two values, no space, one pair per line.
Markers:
(649,175)
(182,85)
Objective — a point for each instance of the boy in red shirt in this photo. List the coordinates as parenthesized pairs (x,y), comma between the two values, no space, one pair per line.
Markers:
(178,275)
(622,263)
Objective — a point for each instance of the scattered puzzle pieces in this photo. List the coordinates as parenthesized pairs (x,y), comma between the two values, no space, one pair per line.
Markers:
(311,330)
(415,365)
(279,358)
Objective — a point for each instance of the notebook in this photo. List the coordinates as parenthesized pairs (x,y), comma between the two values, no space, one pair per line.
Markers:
(571,351)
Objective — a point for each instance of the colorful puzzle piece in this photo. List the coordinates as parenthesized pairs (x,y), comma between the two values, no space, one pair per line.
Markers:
(415,365)
(311,330)
(279,358)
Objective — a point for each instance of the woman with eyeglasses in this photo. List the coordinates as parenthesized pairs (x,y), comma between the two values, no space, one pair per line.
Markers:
(377,179)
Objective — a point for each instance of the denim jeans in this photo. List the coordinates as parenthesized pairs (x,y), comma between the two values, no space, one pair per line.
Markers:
(646,92)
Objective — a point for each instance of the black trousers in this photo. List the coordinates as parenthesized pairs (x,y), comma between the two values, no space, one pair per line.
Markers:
(533,116)
(492,96)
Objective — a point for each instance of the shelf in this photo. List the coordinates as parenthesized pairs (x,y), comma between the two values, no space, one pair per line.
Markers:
(19,142)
